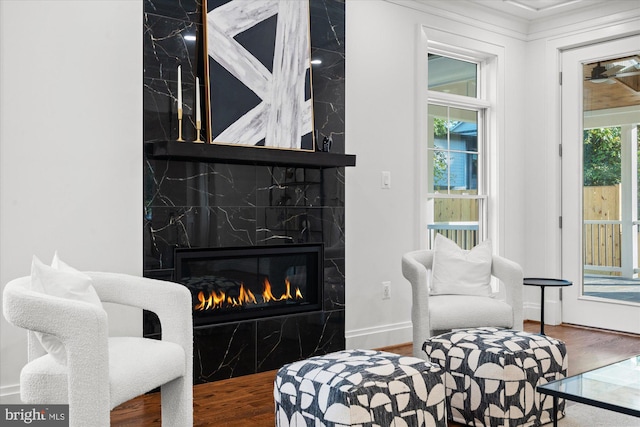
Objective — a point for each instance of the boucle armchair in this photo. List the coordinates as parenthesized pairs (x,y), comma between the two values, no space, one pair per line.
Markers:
(434,314)
(101,371)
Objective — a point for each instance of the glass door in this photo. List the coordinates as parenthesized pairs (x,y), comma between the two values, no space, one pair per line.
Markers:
(600,119)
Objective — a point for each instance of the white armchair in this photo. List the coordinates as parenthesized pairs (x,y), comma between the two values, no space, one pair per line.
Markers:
(434,314)
(103,372)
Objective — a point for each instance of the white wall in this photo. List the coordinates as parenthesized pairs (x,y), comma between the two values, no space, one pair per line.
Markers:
(70,147)
(382,131)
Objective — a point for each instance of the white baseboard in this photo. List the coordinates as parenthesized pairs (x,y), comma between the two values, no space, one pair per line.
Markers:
(531,311)
(552,312)
(10,395)
(379,336)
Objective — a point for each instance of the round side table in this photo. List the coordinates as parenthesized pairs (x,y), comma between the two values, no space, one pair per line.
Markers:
(543,283)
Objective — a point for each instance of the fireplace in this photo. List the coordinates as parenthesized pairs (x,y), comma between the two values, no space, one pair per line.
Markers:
(231,284)
(227,201)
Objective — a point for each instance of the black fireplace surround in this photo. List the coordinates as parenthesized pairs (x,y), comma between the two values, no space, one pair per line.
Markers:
(226,203)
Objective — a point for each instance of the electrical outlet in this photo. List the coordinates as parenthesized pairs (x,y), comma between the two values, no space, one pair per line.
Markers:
(386,290)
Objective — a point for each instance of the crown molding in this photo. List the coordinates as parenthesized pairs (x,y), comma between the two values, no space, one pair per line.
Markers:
(479,17)
(474,14)
(608,14)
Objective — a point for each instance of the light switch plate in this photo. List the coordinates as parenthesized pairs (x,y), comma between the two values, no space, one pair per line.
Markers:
(386,180)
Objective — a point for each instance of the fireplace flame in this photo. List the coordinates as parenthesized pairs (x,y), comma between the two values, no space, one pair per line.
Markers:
(267,295)
(214,300)
(218,300)
(245,297)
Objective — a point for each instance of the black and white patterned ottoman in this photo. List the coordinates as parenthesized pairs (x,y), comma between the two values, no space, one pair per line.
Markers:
(491,375)
(360,387)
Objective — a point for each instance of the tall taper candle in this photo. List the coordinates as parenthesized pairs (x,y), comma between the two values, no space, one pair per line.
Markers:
(197,99)
(180,104)
(179,87)
(198,123)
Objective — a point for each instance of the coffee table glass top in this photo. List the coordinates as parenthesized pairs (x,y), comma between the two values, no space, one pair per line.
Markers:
(615,387)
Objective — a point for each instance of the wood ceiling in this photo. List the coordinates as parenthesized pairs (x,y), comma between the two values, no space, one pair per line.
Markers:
(624,92)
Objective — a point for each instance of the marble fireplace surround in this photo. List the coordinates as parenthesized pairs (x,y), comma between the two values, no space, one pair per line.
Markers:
(231,200)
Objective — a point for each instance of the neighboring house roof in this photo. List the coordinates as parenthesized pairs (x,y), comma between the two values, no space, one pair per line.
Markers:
(465,128)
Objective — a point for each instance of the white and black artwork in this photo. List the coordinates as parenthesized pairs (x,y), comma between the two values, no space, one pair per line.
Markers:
(259,76)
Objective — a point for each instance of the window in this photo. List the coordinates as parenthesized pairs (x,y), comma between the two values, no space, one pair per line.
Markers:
(454,76)
(456,195)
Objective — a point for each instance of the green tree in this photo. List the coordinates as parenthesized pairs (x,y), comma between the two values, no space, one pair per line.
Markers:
(439,158)
(602,150)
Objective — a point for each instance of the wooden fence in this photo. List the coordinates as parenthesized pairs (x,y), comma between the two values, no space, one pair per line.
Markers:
(453,210)
(602,203)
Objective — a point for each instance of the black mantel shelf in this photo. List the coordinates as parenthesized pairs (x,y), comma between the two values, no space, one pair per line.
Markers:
(218,153)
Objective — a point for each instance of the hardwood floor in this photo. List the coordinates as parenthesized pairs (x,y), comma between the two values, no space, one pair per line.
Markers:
(248,400)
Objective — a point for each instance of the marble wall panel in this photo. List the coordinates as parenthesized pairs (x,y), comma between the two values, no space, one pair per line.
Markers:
(160,122)
(233,185)
(329,121)
(328,76)
(298,337)
(185,10)
(328,25)
(334,284)
(224,351)
(171,183)
(290,187)
(282,186)
(167,228)
(168,43)
(282,225)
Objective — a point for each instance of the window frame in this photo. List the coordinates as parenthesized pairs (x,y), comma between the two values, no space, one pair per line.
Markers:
(482,107)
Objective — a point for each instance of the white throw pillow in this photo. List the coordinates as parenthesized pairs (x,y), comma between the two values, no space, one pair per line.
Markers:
(62,281)
(459,272)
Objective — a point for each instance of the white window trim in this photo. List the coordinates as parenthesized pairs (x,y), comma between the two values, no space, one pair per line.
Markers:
(491,95)
(458,101)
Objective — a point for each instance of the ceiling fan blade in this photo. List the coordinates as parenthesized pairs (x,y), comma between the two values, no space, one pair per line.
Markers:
(630,68)
(601,80)
(612,70)
(633,73)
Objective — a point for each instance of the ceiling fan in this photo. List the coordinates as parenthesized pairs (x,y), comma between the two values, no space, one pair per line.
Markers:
(614,70)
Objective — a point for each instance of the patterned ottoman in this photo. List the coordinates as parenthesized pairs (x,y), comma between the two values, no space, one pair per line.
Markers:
(491,375)
(360,387)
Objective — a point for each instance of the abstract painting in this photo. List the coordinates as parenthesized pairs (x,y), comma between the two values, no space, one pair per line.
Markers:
(259,74)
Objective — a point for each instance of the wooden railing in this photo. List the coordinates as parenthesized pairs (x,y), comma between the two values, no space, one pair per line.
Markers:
(604,233)
(603,247)
(465,234)
(602,253)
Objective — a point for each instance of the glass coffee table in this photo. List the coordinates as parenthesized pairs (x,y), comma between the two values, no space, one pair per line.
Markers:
(615,387)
